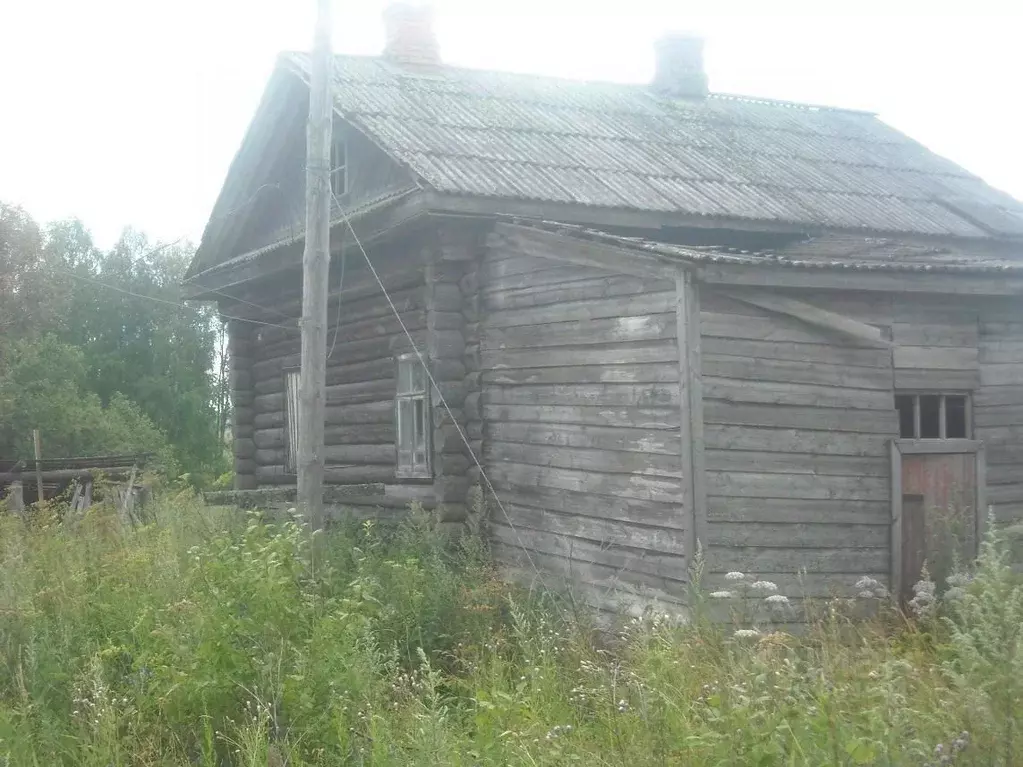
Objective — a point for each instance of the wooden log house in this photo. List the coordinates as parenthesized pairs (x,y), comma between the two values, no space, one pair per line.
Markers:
(661,317)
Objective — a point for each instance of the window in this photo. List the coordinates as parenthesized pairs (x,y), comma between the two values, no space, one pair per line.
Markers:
(933,416)
(291,382)
(412,419)
(338,162)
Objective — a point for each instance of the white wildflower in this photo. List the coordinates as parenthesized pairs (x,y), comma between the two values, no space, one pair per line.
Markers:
(777,599)
(922,603)
(735,575)
(959,579)
(955,593)
(722,594)
(746,633)
(763,586)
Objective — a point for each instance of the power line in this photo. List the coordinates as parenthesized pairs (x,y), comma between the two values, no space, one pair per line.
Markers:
(155,299)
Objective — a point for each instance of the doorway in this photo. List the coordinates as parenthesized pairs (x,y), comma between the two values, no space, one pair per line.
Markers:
(938,502)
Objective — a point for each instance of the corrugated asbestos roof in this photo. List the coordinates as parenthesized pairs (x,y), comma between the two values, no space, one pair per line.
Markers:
(842,252)
(497,135)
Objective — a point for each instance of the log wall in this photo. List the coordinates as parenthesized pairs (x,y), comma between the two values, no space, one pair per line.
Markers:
(579,414)
(363,338)
(240,351)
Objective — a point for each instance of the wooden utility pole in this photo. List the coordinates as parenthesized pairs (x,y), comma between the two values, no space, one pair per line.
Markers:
(39,465)
(315,271)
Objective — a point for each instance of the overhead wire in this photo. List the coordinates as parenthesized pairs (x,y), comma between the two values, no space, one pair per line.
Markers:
(158,300)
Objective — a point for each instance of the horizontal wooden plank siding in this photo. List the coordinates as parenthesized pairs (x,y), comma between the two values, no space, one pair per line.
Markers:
(797,422)
(998,408)
(580,407)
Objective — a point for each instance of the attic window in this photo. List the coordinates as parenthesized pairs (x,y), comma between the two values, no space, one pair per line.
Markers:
(339,163)
(932,415)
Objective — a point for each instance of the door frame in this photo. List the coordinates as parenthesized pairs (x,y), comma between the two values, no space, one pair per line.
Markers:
(901,447)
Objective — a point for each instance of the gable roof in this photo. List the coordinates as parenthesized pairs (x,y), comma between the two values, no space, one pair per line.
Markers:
(613,146)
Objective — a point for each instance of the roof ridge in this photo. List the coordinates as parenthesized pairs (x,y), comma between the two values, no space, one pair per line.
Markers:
(723,95)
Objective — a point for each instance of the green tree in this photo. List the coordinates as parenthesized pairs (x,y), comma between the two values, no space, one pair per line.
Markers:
(110,329)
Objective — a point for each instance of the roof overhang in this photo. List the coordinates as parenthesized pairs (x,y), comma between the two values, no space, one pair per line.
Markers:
(349,230)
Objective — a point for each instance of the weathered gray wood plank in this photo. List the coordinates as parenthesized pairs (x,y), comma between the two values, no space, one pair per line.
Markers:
(930,380)
(808,353)
(815,316)
(798,535)
(791,371)
(533,242)
(613,395)
(585,459)
(630,510)
(659,489)
(609,354)
(645,327)
(754,559)
(567,311)
(964,334)
(796,463)
(1001,375)
(606,532)
(720,437)
(586,290)
(995,396)
(935,357)
(584,374)
(764,485)
(802,395)
(559,274)
(646,441)
(1000,415)
(625,559)
(1001,352)
(798,511)
(609,589)
(337,373)
(788,417)
(640,418)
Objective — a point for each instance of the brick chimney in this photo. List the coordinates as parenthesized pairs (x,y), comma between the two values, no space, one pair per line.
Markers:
(679,72)
(409,35)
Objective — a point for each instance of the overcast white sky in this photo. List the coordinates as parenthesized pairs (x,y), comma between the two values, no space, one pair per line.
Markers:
(128,112)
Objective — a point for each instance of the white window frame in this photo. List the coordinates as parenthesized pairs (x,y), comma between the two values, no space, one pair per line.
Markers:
(339,162)
(916,394)
(412,419)
(292,384)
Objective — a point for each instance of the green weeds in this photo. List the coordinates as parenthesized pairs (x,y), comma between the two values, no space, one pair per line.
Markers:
(208,638)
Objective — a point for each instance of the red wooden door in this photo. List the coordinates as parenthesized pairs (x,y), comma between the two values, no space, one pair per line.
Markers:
(939,515)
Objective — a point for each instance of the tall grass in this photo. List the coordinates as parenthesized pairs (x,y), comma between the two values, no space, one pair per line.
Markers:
(207,638)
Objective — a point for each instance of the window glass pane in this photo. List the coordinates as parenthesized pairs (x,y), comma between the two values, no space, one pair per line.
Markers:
(291,386)
(418,376)
(406,427)
(420,410)
(904,404)
(955,417)
(404,376)
(930,416)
